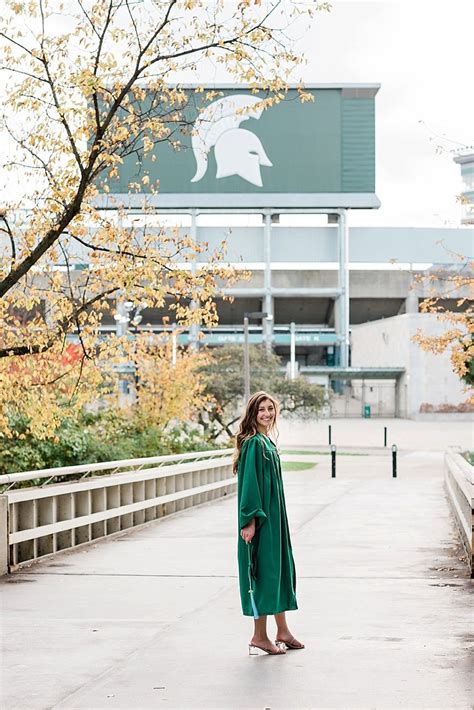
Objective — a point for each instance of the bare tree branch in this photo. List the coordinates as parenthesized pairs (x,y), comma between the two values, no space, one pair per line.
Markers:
(60,331)
(8,231)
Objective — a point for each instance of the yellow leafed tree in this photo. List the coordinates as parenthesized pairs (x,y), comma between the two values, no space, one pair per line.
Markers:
(447,286)
(38,391)
(88,84)
(168,381)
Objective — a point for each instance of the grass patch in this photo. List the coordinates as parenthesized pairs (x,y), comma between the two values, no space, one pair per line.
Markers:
(469,455)
(296,465)
(299,452)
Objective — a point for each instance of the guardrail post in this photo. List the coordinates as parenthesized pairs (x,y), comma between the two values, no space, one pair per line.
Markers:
(394,461)
(3,535)
(458,484)
(333,461)
(60,516)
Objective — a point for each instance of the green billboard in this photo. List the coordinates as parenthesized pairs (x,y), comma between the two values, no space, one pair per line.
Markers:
(319,153)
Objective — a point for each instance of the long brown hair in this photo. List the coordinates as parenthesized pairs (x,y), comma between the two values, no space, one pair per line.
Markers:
(248,423)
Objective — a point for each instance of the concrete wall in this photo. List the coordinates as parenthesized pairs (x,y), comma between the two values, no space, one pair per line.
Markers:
(460,489)
(3,535)
(429,380)
(319,244)
(363,283)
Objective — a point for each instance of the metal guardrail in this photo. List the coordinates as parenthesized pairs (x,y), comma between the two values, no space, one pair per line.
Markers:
(135,464)
(459,482)
(42,520)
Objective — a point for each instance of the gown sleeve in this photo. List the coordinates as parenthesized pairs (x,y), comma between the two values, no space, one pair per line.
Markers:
(250,474)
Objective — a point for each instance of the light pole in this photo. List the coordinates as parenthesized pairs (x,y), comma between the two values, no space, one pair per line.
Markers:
(292,351)
(174,345)
(122,320)
(257,315)
(246,359)
(122,329)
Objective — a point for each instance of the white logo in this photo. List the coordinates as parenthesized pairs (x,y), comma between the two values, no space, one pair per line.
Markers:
(236,150)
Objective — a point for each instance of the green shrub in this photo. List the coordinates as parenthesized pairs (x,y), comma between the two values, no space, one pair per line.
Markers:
(96,438)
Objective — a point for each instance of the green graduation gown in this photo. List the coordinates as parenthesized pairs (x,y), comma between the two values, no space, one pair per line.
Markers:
(260,495)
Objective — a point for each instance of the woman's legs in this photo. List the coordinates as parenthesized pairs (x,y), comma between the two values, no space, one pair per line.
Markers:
(284,633)
(260,632)
(260,636)
(282,627)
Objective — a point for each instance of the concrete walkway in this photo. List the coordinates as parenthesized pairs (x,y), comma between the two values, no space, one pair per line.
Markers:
(152,618)
(405,433)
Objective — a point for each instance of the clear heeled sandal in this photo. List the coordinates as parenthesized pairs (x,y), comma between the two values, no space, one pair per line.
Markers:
(254,649)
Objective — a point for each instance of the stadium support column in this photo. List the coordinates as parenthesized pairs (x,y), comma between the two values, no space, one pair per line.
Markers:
(411,301)
(343,300)
(268,299)
(194,330)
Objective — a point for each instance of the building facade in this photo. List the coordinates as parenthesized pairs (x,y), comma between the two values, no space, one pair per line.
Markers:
(292,174)
(466,162)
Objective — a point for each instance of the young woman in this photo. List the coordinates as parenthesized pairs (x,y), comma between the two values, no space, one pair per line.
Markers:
(266,567)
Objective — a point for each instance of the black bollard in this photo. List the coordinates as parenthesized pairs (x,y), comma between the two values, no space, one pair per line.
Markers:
(394,461)
(333,461)
(385,436)
(329,434)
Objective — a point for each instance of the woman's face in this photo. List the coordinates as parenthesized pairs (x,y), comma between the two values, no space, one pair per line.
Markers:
(265,414)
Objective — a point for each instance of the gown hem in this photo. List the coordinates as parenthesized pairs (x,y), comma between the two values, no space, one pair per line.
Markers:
(272,613)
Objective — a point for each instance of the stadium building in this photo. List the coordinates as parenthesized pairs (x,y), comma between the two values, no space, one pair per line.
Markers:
(339,304)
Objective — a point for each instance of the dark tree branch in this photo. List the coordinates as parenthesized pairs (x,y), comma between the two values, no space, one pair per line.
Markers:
(21,46)
(51,84)
(121,252)
(24,73)
(88,171)
(43,163)
(132,19)
(8,231)
(101,37)
(60,331)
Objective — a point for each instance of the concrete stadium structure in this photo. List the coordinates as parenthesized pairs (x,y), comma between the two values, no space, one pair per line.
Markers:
(341,303)
(466,162)
(296,278)
(318,281)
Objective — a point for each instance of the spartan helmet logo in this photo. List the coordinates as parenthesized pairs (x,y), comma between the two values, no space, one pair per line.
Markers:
(237,151)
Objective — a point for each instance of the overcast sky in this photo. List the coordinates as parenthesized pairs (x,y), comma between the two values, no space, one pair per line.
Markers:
(422,55)
(420,51)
